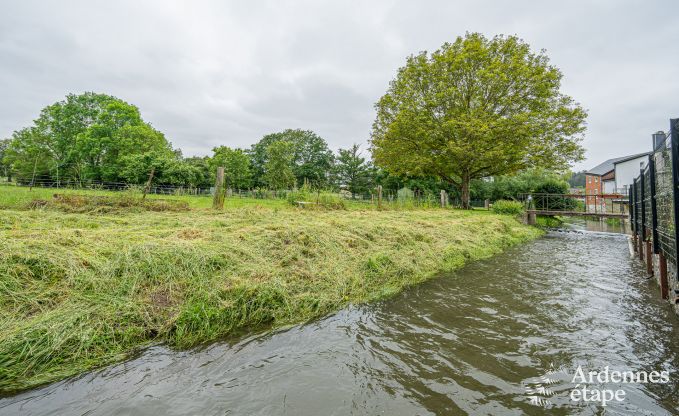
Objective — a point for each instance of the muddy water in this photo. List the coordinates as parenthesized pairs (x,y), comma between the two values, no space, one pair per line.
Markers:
(473,342)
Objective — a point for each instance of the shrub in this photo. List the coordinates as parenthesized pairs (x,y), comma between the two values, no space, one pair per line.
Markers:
(322,199)
(553,202)
(507,207)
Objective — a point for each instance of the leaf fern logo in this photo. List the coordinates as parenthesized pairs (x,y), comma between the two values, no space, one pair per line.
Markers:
(540,389)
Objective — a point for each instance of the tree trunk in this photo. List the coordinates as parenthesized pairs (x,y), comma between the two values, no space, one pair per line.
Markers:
(465,192)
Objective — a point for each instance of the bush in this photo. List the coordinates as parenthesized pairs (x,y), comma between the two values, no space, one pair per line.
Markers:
(507,207)
(552,202)
(322,199)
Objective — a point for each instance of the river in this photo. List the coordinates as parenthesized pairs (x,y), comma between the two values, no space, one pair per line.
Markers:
(476,341)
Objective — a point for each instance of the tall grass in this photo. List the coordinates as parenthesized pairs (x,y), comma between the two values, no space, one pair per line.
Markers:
(79,290)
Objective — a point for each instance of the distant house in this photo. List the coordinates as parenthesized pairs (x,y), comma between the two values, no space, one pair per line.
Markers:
(627,169)
(614,175)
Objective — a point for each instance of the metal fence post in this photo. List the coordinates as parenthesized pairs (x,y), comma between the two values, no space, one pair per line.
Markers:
(631,209)
(674,141)
(642,220)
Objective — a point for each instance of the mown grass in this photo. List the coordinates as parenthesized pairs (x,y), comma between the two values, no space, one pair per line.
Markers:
(12,197)
(80,290)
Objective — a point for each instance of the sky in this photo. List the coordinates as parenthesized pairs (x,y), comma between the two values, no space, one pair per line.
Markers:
(209,73)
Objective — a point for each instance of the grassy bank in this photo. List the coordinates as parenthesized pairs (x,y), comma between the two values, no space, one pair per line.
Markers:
(79,290)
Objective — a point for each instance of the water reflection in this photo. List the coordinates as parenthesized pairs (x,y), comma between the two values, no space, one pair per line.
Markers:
(611,225)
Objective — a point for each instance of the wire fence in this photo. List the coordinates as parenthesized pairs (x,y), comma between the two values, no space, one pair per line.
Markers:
(654,197)
(403,196)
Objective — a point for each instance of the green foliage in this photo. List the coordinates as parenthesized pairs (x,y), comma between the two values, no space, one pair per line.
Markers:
(513,186)
(311,160)
(84,137)
(405,195)
(278,169)
(507,207)
(552,186)
(548,221)
(352,171)
(315,198)
(5,170)
(236,163)
(553,202)
(476,108)
(577,179)
(169,169)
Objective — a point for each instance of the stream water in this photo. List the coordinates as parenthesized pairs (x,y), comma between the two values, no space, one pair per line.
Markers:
(476,341)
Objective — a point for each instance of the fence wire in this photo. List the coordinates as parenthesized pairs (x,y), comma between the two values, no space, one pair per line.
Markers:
(663,183)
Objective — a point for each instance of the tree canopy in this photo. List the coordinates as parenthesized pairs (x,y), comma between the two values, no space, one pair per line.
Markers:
(84,137)
(278,169)
(311,160)
(475,108)
(236,164)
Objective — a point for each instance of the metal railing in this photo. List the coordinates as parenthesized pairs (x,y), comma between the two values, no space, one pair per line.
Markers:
(589,204)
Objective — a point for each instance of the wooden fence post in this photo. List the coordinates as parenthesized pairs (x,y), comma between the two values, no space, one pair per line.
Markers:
(379,196)
(218,198)
(148,182)
(649,257)
(662,263)
(443,198)
(35,165)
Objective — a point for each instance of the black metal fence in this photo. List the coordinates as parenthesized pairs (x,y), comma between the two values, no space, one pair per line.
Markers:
(654,196)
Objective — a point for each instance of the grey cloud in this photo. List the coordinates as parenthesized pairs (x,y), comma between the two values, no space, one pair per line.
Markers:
(212,72)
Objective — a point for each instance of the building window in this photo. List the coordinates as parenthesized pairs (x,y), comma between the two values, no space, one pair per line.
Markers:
(589,179)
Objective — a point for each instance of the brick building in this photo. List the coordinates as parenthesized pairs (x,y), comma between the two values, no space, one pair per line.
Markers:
(601,179)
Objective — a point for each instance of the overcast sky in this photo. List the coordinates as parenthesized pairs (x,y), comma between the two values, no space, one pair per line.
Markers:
(210,73)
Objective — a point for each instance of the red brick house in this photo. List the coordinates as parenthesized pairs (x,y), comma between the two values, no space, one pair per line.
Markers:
(601,178)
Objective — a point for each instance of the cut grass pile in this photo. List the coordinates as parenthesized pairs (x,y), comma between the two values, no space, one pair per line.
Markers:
(79,291)
(121,201)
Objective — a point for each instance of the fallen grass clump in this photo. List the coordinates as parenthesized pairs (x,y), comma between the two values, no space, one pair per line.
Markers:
(79,291)
(107,203)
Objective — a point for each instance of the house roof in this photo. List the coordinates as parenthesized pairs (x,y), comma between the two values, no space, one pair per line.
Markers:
(609,165)
(631,157)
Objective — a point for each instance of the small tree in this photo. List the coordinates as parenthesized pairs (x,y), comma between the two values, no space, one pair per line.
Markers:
(236,163)
(476,108)
(352,170)
(278,172)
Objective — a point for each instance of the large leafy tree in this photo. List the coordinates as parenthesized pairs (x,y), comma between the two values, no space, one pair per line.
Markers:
(312,159)
(475,108)
(278,169)
(353,171)
(85,136)
(236,164)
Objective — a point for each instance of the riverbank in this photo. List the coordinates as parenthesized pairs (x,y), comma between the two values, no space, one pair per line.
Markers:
(80,290)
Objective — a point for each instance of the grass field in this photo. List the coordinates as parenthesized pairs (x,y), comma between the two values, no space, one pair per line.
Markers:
(80,290)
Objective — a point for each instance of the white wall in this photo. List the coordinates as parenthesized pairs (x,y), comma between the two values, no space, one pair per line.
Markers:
(625,172)
(609,187)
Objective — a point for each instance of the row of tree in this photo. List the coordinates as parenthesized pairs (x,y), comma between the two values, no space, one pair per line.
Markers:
(476,108)
(97,137)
